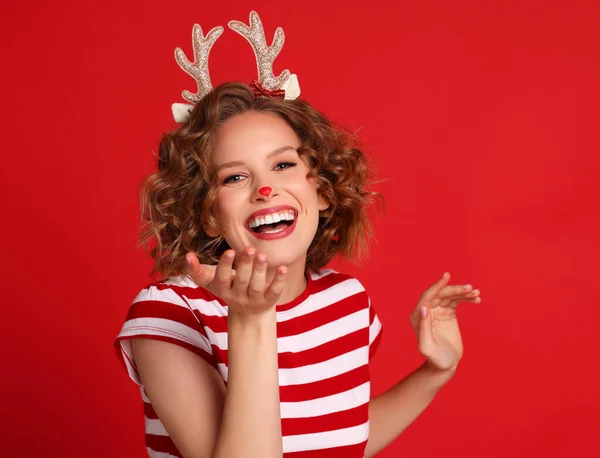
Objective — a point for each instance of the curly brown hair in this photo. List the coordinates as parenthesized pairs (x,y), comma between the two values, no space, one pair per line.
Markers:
(176,200)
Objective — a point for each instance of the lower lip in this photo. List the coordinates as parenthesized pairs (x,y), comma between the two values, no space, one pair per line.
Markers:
(275,235)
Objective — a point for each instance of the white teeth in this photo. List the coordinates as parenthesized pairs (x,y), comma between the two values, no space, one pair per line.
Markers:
(272,218)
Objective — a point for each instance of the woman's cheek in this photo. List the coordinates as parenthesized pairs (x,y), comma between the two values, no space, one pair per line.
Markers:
(221,204)
(230,202)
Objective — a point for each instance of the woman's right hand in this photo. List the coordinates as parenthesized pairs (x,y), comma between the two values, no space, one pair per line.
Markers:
(245,289)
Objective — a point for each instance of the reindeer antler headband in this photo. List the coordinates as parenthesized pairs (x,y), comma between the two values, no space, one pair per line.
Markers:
(284,86)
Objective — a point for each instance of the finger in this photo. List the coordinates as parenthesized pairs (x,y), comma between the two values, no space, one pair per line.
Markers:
(434,289)
(201,274)
(426,342)
(243,271)
(275,289)
(454,303)
(256,287)
(455,290)
(223,270)
(441,301)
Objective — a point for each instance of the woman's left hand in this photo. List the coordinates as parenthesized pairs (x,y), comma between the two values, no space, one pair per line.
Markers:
(435,324)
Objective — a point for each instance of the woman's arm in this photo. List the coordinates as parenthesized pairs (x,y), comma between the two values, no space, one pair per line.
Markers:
(392,412)
(186,393)
(204,419)
(435,324)
(251,424)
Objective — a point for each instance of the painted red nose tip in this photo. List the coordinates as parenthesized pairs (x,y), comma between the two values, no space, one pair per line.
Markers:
(265,191)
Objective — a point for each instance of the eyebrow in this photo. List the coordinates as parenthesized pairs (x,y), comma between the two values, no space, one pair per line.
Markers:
(272,154)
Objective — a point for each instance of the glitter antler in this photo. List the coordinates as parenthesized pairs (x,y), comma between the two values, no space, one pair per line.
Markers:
(268,85)
(265,55)
(199,68)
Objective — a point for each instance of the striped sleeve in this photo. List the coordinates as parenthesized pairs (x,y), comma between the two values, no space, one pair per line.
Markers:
(158,312)
(375,330)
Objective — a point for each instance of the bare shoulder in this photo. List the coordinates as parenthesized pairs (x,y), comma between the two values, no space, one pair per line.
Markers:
(186,392)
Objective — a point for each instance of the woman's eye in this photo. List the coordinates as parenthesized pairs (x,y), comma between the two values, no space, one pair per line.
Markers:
(284,165)
(233,179)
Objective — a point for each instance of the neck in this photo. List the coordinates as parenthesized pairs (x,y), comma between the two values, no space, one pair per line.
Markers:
(295,282)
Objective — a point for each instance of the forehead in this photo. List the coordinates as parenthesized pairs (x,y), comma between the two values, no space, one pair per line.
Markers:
(251,135)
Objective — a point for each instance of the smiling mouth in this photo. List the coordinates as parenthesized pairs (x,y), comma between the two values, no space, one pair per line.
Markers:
(272,223)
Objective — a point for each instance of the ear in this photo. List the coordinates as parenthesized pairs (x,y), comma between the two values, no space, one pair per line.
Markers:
(212,230)
(322,203)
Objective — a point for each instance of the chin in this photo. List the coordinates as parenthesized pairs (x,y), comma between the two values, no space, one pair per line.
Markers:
(282,257)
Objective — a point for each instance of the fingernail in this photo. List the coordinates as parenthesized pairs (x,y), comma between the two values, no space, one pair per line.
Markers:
(423,311)
(466,286)
(230,255)
(261,258)
(188,261)
(445,274)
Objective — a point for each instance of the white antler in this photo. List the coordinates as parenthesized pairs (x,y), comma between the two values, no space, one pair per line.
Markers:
(265,55)
(199,68)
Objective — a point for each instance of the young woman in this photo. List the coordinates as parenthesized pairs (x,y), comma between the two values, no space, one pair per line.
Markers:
(248,347)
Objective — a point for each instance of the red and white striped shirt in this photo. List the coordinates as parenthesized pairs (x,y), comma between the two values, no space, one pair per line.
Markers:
(325,339)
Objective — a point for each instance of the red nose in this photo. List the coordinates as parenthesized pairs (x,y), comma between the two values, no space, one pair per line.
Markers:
(265,191)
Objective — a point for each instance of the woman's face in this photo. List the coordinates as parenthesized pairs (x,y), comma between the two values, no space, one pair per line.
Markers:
(252,152)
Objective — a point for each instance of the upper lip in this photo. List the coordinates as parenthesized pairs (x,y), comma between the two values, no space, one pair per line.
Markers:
(268,211)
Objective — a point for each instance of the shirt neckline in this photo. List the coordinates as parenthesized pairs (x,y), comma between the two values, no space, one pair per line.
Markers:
(301,298)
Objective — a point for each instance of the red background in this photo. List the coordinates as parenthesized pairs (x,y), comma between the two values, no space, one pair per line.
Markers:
(483,117)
